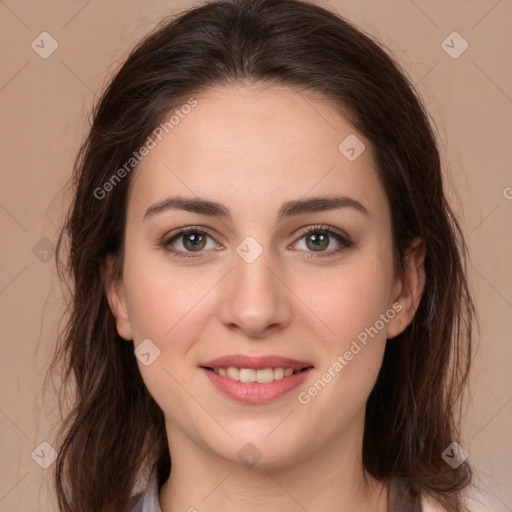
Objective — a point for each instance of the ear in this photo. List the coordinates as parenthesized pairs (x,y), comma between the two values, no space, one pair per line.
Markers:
(408,288)
(116,298)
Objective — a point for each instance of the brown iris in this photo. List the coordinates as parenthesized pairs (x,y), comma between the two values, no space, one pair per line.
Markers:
(320,241)
(197,241)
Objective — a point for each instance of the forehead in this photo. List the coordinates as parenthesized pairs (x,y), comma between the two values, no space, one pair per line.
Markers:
(252,147)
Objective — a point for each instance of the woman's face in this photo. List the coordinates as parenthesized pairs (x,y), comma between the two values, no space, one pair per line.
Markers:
(256,284)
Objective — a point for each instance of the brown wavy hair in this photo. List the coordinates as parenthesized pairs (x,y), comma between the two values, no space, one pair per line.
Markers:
(114,429)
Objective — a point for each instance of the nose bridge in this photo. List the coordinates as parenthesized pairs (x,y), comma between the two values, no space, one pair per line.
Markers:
(254,298)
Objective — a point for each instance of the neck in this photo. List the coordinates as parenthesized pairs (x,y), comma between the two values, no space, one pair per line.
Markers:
(331,479)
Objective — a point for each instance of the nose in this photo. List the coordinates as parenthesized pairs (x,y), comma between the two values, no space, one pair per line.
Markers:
(255,299)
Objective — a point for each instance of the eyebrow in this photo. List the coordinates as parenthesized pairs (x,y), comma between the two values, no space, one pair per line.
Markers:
(287,210)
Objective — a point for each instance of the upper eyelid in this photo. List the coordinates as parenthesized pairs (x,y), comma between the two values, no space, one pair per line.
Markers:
(323,227)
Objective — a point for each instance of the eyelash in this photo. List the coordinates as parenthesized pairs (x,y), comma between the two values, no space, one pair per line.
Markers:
(338,236)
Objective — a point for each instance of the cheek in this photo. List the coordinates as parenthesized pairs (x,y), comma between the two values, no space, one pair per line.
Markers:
(354,305)
(168,306)
(352,298)
(162,299)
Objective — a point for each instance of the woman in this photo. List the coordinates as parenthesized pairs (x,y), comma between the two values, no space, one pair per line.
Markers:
(270,294)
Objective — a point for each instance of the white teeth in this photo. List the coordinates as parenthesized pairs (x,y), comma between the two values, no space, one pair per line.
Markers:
(251,375)
(247,375)
(265,375)
(233,373)
(278,373)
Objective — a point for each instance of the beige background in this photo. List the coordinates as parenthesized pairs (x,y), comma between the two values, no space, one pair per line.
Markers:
(45,104)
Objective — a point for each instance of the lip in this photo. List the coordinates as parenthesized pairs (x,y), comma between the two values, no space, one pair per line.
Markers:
(256,362)
(255,392)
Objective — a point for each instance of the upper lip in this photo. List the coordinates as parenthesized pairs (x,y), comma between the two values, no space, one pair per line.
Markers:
(255,362)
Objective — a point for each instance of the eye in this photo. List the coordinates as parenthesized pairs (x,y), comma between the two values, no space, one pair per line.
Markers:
(191,238)
(319,238)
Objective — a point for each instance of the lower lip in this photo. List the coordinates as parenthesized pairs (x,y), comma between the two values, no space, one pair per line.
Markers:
(254,392)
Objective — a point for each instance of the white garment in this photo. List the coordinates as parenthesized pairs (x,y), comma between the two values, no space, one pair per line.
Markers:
(148,500)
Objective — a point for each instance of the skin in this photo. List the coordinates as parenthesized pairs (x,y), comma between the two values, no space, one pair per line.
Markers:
(252,148)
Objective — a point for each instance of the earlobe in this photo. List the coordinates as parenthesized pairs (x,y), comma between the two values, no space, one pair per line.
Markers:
(116,298)
(411,286)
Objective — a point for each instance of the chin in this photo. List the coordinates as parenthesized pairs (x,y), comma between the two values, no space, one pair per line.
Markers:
(259,450)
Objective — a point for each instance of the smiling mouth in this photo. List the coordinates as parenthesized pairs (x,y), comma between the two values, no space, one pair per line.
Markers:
(251,375)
